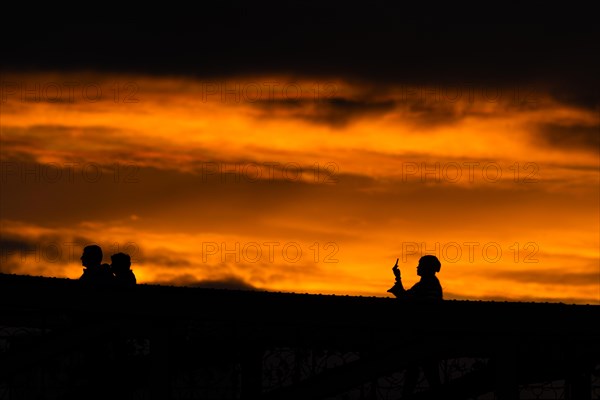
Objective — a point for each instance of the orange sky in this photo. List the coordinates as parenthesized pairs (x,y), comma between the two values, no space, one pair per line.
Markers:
(287,183)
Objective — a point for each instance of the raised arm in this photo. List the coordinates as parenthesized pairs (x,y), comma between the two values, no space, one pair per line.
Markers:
(397,290)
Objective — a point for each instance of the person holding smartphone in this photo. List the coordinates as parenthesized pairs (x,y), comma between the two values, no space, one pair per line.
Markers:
(428,288)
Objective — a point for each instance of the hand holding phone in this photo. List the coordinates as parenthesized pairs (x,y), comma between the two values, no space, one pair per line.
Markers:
(396,270)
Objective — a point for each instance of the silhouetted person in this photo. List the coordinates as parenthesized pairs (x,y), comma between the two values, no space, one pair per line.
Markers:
(122,345)
(121,269)
(95,272)
(95,349)
(427,290)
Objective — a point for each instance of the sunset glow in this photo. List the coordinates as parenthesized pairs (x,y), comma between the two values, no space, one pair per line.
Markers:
(300,184)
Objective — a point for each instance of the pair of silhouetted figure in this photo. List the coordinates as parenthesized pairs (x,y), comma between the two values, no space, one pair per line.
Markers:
(427,290)
(118,273)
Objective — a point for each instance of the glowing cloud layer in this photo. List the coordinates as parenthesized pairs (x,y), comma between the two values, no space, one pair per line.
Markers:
(296,184)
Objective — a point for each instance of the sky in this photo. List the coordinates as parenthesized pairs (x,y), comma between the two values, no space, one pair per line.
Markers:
(306,150)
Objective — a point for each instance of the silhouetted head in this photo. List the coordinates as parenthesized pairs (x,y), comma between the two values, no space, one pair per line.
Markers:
(120,262)
(428,265)
(92,256)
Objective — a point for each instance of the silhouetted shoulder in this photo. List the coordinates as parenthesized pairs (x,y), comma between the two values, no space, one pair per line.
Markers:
(121,269)
(97,276)
(87,275)
(126,278)
(427,289)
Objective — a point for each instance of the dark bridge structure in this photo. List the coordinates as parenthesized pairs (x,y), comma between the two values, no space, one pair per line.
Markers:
(60,339)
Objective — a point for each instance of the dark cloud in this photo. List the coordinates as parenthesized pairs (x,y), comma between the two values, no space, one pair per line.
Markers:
(164,258)
(92,146)
(432,114)
(176,201)
(13,247)
(541,276)
(571,137)
(340,111)
(380,42)
(425,105)
(41,255)
(15,243)
(580,93)
(43,248)
(336,111)
(230,282)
